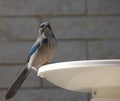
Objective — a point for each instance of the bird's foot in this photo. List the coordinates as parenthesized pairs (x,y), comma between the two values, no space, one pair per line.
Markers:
(34,69)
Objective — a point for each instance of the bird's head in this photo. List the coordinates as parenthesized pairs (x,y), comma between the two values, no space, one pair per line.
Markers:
(45,29)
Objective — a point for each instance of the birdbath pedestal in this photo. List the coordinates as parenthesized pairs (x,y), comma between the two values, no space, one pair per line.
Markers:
(99,77)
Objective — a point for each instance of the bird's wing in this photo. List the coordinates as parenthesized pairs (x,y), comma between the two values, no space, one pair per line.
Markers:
(33,49)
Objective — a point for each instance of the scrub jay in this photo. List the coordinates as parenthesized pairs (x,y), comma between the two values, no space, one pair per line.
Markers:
(40,54)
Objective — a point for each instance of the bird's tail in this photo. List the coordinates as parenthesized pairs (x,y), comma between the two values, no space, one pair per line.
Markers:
(16,85)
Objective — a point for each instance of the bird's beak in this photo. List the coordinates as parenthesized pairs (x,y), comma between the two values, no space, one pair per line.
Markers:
(40,30)
(42,33)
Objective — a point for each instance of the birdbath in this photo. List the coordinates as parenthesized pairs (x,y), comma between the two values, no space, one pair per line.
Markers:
(99,77)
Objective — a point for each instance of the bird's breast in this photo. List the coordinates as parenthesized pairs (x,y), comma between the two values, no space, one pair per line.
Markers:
(42,56)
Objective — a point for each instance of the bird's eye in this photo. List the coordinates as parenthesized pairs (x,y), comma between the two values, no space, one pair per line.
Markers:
(42,26)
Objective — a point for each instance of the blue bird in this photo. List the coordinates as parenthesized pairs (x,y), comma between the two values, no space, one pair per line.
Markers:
(40,54)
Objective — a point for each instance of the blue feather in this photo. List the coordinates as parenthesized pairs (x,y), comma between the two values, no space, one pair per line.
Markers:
(33,50)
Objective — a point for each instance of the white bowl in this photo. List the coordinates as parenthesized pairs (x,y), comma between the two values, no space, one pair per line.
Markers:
(83,76)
